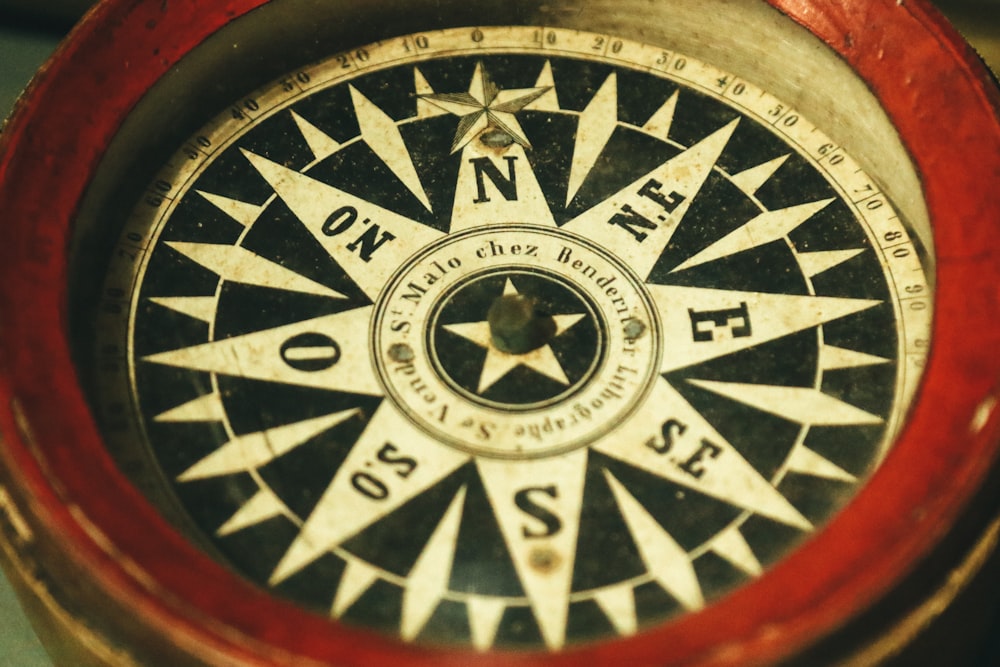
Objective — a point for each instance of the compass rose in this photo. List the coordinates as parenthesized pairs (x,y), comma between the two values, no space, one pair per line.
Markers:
(620,374)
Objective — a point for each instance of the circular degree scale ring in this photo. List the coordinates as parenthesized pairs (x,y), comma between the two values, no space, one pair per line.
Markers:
(76,502)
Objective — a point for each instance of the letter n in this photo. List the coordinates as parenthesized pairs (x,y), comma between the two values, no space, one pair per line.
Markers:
(632,221)
(486,169)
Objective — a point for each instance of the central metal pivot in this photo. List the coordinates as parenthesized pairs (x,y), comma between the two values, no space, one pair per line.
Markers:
(518,326)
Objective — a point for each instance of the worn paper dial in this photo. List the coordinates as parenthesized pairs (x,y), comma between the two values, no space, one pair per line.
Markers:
(508,337)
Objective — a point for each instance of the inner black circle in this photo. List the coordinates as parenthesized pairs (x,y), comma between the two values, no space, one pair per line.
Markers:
(578,349)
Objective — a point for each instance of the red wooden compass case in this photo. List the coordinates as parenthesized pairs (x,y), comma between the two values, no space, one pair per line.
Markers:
(143,587)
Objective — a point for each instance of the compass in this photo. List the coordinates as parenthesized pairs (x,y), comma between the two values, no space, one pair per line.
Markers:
(349,334)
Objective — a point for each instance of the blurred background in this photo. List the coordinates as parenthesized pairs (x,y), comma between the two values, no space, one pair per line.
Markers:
(30,30)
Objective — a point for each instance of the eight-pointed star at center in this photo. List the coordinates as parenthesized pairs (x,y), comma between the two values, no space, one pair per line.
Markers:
(484,106)
(498,363)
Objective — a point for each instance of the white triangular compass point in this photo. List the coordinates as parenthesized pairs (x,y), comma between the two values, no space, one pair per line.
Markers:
(237,264)
(242,212)
(732,546)
(382,135)
(199,307)
(665,560)
(347,506)
(421,87)
(365,239)
(269,354)
(753,179)
(493,189)
(262,506)
(803,405)
(596,125)
(807,462)
(358,577)
(704,324)
(427,581)
(765,228)
(815,263)
(549,101)
(659,123)
(250,451)
(637,222)
(207,408)
(618,604)
(833,358)
(485,614)
(700,459)
(731,320)
(544,553)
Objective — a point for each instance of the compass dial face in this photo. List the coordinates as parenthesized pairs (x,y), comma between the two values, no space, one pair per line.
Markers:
(508,337)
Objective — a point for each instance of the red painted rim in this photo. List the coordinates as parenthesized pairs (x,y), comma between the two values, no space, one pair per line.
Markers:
(917,66)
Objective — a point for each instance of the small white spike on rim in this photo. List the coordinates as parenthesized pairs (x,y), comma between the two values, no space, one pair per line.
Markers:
(815,263)
(262,506)
(357,578)
(485,615)
(207,408)
(833,358)
(549,101)
(618,604)
(320,143)
(660,122)
(732,546)
(421,87)
(751,180)
(199,307)
(807,462)
(242,212)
